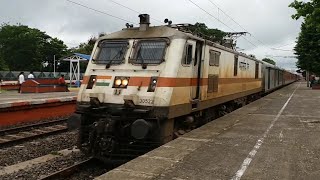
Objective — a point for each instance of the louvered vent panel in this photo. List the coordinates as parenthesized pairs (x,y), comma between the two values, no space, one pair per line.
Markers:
(213,81)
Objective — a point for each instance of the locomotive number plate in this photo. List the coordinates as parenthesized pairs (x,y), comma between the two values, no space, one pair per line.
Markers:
(145,101)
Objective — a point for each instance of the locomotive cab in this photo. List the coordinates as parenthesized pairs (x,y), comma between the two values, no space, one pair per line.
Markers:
(125,94)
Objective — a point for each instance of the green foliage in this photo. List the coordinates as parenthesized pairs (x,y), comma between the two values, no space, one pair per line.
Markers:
(86,48)
(214,34)
(308,43)
(24,48)
(3,65)
(54,47)
(270,61)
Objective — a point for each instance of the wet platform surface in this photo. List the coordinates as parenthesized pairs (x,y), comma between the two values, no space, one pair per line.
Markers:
(9,97)
(275,137)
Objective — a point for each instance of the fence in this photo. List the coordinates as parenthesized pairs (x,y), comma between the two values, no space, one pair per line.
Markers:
(13,75)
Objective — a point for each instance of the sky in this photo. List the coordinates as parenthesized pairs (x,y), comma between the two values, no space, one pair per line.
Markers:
(268,21)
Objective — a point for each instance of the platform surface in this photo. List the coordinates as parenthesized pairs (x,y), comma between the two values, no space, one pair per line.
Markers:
(10,98)
(275,137)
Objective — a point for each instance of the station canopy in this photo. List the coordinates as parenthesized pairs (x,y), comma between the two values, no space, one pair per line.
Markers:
(77,57)
(75,60)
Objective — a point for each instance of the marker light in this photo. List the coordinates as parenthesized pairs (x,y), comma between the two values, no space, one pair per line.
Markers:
(154,81)
(153,84)
(117,82)
(91,81)
(125,82)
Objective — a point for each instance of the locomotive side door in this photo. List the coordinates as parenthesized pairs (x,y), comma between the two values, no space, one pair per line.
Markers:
(196,70)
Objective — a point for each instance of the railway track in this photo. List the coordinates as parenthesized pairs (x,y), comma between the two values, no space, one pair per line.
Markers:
(70,171)
(92,167)
(27,132)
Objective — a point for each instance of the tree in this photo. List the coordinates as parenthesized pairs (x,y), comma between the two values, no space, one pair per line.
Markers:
(87,47)
(307,48)
(83,48)
(53,47)
(24,48)
(3,65)
(270,61)
(214,34)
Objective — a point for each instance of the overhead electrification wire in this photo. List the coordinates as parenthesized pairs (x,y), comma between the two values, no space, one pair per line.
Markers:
(125,6)
(284,45)
(132,9)
(102,12)
(281,49)
(282,56)
(220,21)
(234,20)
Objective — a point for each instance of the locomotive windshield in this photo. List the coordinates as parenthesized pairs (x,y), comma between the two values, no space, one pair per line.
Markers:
(111,52)
(150,52)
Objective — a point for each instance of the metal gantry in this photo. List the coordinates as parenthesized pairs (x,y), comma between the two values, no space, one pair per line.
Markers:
(75,60)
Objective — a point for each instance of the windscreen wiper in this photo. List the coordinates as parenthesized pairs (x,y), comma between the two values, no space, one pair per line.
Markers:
(144,66)
(112,59)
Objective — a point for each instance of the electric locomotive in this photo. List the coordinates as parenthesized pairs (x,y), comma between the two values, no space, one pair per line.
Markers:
(150,84)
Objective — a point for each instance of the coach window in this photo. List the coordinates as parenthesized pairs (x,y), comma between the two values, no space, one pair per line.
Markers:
(214,58)
(257,70)
(235,70)
(188,57)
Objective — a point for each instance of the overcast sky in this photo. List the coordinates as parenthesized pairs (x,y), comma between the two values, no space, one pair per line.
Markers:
(268,21)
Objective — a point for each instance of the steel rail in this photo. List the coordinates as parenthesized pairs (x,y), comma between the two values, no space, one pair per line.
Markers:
(27,132)
(69,171)
(19,128)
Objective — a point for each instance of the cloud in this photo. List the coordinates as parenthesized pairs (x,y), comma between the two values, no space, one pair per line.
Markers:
(269,22)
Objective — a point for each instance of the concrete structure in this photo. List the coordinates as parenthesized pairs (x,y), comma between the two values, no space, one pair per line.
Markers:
(18,108)
(275,137)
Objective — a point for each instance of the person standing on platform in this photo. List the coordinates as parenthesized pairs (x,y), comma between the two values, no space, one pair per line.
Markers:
(21,80)
(62,82)
(31,76)
(312,81)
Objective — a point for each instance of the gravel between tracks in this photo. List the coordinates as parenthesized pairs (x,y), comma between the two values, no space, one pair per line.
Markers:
(43,169)
(90,173)
(36,148)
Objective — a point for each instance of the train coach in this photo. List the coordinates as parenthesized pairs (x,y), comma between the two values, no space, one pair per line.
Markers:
(275,77)
(150,84)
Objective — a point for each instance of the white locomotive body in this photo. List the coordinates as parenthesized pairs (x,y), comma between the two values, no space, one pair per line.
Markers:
(149,83)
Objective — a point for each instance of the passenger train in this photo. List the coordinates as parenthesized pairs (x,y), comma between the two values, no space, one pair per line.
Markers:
(151,84)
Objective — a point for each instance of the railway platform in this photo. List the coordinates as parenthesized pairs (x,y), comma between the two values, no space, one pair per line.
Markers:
(9,98)
(19,108)
(275,137)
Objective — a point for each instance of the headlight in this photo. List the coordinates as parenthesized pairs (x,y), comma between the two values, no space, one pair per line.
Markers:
(117,82)
(121,82)
(125,82)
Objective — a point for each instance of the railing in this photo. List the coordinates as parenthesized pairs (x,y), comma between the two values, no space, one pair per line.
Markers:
(13,75)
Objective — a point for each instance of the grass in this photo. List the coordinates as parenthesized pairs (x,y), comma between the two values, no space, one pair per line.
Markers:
(56,153)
